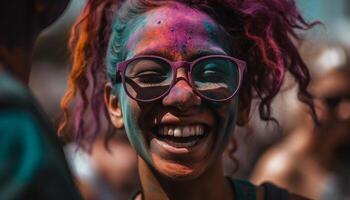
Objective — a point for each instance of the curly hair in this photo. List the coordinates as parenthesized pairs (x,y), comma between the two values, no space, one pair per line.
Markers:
(264,34)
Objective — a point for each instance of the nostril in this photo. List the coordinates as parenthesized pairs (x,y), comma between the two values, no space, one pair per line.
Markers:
(180,106)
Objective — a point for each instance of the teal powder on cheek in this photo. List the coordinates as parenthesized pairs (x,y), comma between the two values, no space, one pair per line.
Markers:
(133,131)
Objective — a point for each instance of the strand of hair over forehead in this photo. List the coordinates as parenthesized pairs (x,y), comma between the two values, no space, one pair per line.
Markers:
(263,32)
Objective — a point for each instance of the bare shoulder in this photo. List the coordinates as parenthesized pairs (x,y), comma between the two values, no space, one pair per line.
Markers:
(273,166)
(281,161)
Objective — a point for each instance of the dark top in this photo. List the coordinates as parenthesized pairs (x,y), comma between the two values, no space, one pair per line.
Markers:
(32,163)
(244,190)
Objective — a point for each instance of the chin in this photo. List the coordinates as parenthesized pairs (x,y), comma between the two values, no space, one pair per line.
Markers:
(176,171)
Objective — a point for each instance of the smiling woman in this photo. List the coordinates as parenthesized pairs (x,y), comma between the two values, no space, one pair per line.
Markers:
(173,75)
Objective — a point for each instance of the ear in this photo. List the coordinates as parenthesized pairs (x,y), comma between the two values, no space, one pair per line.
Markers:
(244,105)
(113,106)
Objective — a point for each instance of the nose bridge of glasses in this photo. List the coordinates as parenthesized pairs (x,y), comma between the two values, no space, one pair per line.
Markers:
(179,64)
(181,69)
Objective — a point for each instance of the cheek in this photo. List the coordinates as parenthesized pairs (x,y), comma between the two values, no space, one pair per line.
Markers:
(227,110)
(129,109)
(130,115)
(231,116)
(134,113)
(227,113)
(226,118)
(137,121)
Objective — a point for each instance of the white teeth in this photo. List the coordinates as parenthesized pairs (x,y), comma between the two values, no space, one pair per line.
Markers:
(177,132)
(193,131)
(181,131)
(197,130)
(171,131)
(186,131)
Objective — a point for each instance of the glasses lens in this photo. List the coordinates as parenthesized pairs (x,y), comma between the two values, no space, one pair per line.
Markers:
(147,78)
(216,78)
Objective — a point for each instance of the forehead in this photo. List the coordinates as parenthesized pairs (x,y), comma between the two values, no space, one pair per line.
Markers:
(176,31)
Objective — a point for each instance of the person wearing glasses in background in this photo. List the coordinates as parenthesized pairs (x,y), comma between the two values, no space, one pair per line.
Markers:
(178,76)
(32,163)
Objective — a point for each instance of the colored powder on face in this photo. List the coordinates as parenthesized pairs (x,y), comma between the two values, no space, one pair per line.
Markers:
(209,27)
(186,35)
(132,39)
(173,36)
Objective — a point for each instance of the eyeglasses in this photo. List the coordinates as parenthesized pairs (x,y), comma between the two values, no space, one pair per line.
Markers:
(149,78)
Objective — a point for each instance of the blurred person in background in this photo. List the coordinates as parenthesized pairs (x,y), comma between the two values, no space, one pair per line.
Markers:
(109,171)
(32,163)
(315,161)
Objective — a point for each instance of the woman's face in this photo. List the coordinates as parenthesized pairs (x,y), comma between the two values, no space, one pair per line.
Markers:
(177,32)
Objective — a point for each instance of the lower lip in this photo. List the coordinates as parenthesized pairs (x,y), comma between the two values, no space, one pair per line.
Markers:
(181,148)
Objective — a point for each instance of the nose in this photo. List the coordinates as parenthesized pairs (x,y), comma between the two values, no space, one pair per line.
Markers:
(182,96)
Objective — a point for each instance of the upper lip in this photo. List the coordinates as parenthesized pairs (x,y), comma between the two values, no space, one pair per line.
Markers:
(171,118)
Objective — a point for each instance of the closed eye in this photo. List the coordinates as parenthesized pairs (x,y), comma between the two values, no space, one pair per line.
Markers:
(212,72)
(150,77)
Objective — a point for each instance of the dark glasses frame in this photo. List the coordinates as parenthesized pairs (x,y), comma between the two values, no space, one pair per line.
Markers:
(121,68)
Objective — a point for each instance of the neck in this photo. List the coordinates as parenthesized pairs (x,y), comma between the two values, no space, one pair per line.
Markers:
(17,61)
(210,185)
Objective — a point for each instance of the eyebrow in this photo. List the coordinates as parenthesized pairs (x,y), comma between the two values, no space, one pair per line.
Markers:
(166,53)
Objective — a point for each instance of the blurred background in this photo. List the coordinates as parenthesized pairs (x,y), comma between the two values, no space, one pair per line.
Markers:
(326,49)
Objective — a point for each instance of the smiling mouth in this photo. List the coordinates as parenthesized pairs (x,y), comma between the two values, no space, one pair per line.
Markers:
(182,136)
